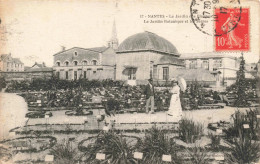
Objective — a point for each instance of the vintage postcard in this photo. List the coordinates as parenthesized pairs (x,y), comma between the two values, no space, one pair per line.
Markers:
(129,82)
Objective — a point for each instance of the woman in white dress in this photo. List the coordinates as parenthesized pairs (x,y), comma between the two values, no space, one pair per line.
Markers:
(175,109)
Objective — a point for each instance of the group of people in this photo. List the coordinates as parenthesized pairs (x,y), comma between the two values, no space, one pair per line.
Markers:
(175,109)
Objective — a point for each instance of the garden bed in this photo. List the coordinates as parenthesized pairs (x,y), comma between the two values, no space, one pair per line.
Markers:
(81,128)
(82,146)
(49,108)
(210,106)
(31,144)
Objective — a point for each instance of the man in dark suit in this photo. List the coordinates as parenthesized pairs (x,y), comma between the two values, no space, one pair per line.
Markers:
(149,92)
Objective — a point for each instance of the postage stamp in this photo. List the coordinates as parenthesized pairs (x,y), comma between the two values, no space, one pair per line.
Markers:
(232,29)
(83,81)
(203,14)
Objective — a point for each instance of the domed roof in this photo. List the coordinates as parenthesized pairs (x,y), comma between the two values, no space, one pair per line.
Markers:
(147,41)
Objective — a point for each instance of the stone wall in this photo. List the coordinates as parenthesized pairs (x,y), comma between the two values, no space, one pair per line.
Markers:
(139,60)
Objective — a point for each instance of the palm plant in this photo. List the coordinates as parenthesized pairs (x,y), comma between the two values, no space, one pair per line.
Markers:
(155,144)
(64,153)
(254,123)
(117,148)
(189,131)
(239,119)
(198,155)
(243,150)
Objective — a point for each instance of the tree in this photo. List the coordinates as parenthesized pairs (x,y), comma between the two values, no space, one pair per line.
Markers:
(241,85)
(2,83)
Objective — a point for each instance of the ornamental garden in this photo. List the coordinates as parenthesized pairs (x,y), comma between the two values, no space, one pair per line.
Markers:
(90,121)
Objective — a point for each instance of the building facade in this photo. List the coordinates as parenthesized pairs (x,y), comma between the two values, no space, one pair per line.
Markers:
(222,66)
(10,64)
(251,68)
(146,55)
(89,63)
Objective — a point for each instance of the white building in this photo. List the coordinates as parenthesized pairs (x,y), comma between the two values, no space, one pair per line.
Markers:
(10,64)
(223,66)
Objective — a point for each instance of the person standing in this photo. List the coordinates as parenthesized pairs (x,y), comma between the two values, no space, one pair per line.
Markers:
(175,109)
(149,92)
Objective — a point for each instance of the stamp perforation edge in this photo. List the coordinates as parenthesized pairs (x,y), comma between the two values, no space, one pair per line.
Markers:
(249,32)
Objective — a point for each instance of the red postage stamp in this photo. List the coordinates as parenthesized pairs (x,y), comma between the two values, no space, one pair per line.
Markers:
(232,29)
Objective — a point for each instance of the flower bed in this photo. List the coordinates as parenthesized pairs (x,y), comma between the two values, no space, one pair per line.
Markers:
(123,96)
(31,144)
(82,146)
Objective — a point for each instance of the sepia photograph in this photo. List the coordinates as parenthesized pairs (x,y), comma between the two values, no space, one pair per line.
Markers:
(129,82)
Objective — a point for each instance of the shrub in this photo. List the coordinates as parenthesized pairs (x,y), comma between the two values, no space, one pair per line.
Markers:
(155,144)
(116,147)
(2,83)
(64,153)
(198,155)
(215,141)
(5,154)
(239,119)
(243,150)
(189,131)
(111,106)
(254,123)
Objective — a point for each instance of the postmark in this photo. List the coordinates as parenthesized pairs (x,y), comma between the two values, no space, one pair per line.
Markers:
(232,29)
(203,14)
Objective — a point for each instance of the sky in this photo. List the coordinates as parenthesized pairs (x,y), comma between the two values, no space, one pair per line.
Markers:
(35,30)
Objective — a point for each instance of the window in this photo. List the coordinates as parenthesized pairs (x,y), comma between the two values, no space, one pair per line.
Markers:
(67,75)
(94,71)
(165,73)
(75,53)
(217,63)
(85,62)
(66,63)
(94,62)
(193,64)
(75,75)
(205,64)
(75,63)
(85,74)
(58,64)
(131,73)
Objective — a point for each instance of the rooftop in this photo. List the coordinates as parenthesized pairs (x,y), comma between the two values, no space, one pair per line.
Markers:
(94,49)
(195,74)
(147,41)
(204,55)
(171,60)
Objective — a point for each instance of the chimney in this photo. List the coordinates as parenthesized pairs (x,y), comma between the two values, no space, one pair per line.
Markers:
(43,64)
(63,48)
